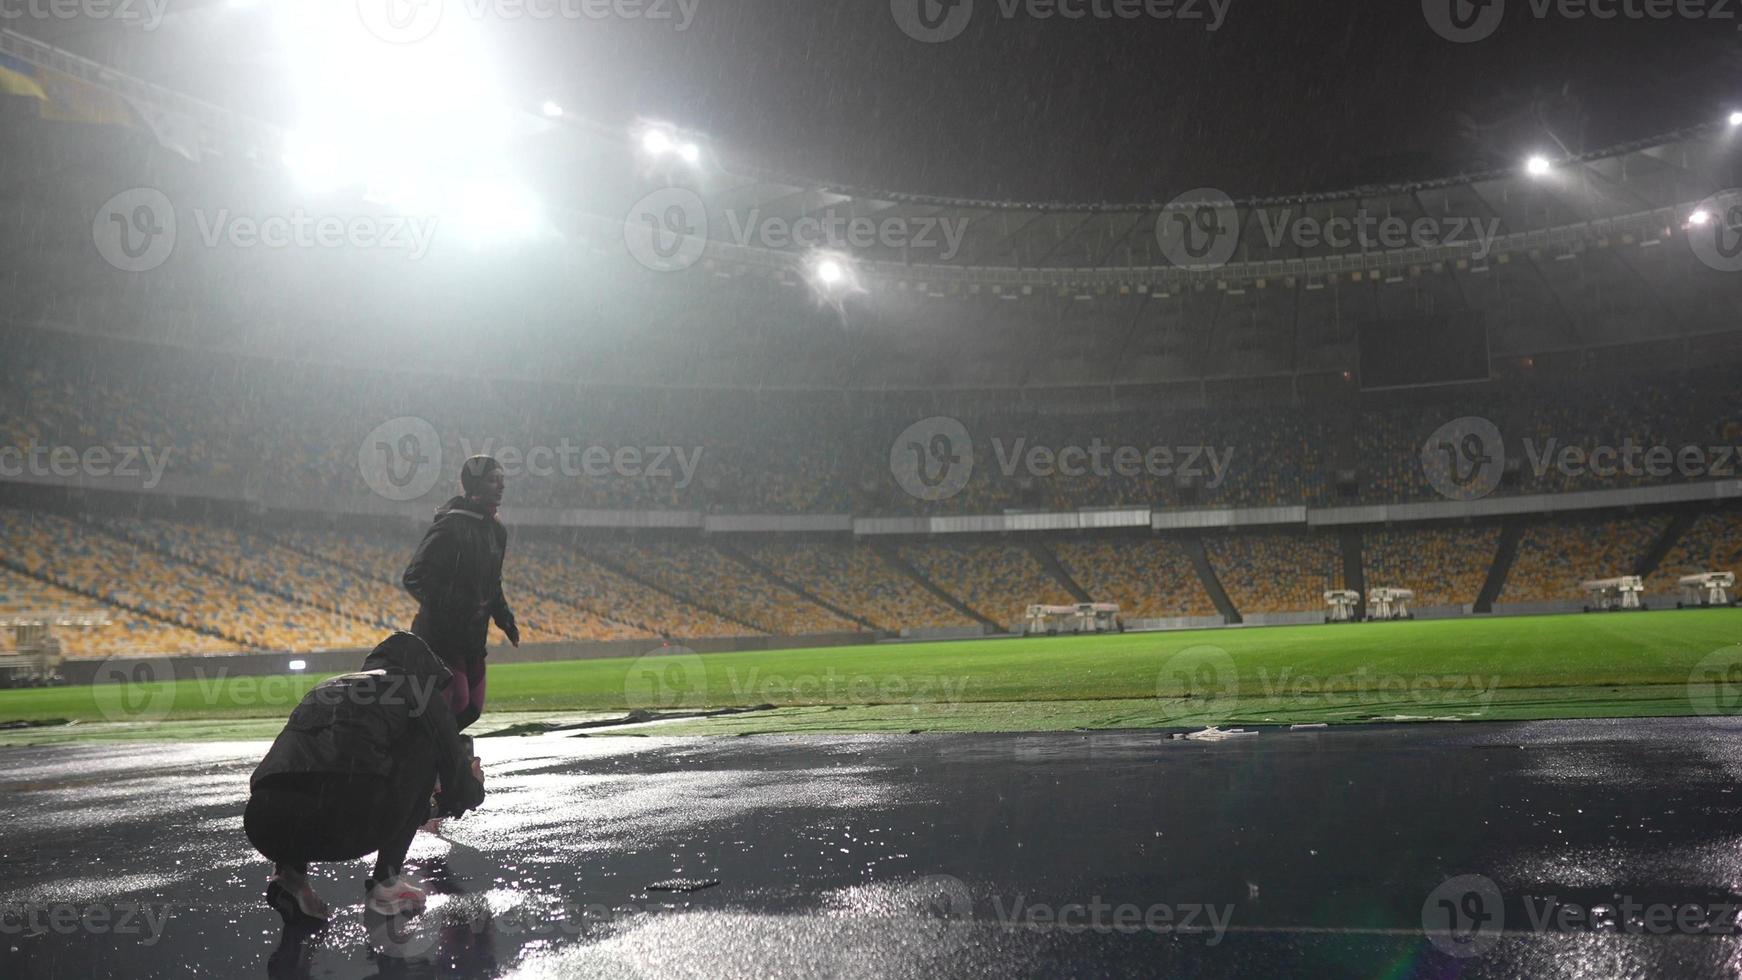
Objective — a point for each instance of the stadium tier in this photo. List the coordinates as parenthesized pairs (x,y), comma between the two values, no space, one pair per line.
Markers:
(703,576)
(1443,566)
(1556,556)
(625,608)
(296,435)
(93,561)
(1149,578)
(1712,543)
(997,581)
(128,632)
(381,561)
(855,578)
(1281,572)
(199,586)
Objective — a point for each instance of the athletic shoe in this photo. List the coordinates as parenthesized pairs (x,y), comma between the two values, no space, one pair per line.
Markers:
(295,899)
(395,895)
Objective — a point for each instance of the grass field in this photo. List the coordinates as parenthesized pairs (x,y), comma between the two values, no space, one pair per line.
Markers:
(1602,665)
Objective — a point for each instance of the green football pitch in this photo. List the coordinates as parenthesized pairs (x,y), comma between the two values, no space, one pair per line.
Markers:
(1661,663)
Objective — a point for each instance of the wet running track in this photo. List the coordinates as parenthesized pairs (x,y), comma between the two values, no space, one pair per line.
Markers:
(1553,849)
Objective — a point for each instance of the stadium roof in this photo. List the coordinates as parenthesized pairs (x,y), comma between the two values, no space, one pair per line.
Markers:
(1607,248)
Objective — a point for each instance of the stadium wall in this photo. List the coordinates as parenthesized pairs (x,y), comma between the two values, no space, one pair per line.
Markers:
(233,492)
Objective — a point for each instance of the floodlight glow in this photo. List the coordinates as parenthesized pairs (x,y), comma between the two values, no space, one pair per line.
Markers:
(1699,217)
(314,164)
(1736,117)
(829,272)
(655,142)
(382,114)
(552,110)
(489,212)
(1537,166)
(690,152)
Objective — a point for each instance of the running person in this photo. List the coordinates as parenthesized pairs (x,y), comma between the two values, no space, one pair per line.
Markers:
(352,773)
(456,578)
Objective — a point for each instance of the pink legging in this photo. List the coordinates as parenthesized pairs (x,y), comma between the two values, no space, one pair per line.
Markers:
(466,692)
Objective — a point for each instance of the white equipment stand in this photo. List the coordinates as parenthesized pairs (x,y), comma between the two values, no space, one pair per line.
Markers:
(1611,594)
(1343,603)
(1390,603)
(1082,617)
(36,661)
(1706,589)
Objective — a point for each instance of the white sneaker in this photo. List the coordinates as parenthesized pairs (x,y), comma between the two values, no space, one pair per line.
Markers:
(395,895)
(293,896)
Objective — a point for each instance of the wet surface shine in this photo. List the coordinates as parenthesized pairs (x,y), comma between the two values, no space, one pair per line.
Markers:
(1308,853)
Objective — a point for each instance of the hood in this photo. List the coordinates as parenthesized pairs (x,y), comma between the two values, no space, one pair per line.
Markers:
(405,653)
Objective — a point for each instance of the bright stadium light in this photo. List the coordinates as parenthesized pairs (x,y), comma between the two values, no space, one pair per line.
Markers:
(659,141)
(492,212)
(314,164)
(551,109)
(1735,118)
(420,128)
(1537,166)
(1699,217)
(832,276)
(655,142)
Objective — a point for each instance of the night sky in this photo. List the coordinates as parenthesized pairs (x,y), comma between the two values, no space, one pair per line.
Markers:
(1280,98)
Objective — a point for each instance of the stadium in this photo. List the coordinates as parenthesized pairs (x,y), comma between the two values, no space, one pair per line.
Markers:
(1316,582)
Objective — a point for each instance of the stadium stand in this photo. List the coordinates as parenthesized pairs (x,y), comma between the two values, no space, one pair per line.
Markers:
(1150,578)
(1443,565)
(853,577)
(706,577)
(1276,571)
(1712,543)
(998,581)
(87,559)
(292,431)
(625,608)
(542,616)
(127,633)
(257,562)
(1555,556)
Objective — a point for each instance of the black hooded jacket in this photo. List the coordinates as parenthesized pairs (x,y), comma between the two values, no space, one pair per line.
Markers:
(360,724)
(456,578)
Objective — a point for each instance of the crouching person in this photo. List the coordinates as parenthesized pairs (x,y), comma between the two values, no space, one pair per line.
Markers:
(352,774)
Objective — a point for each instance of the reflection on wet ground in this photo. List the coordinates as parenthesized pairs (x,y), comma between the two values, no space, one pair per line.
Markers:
(1599,849)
